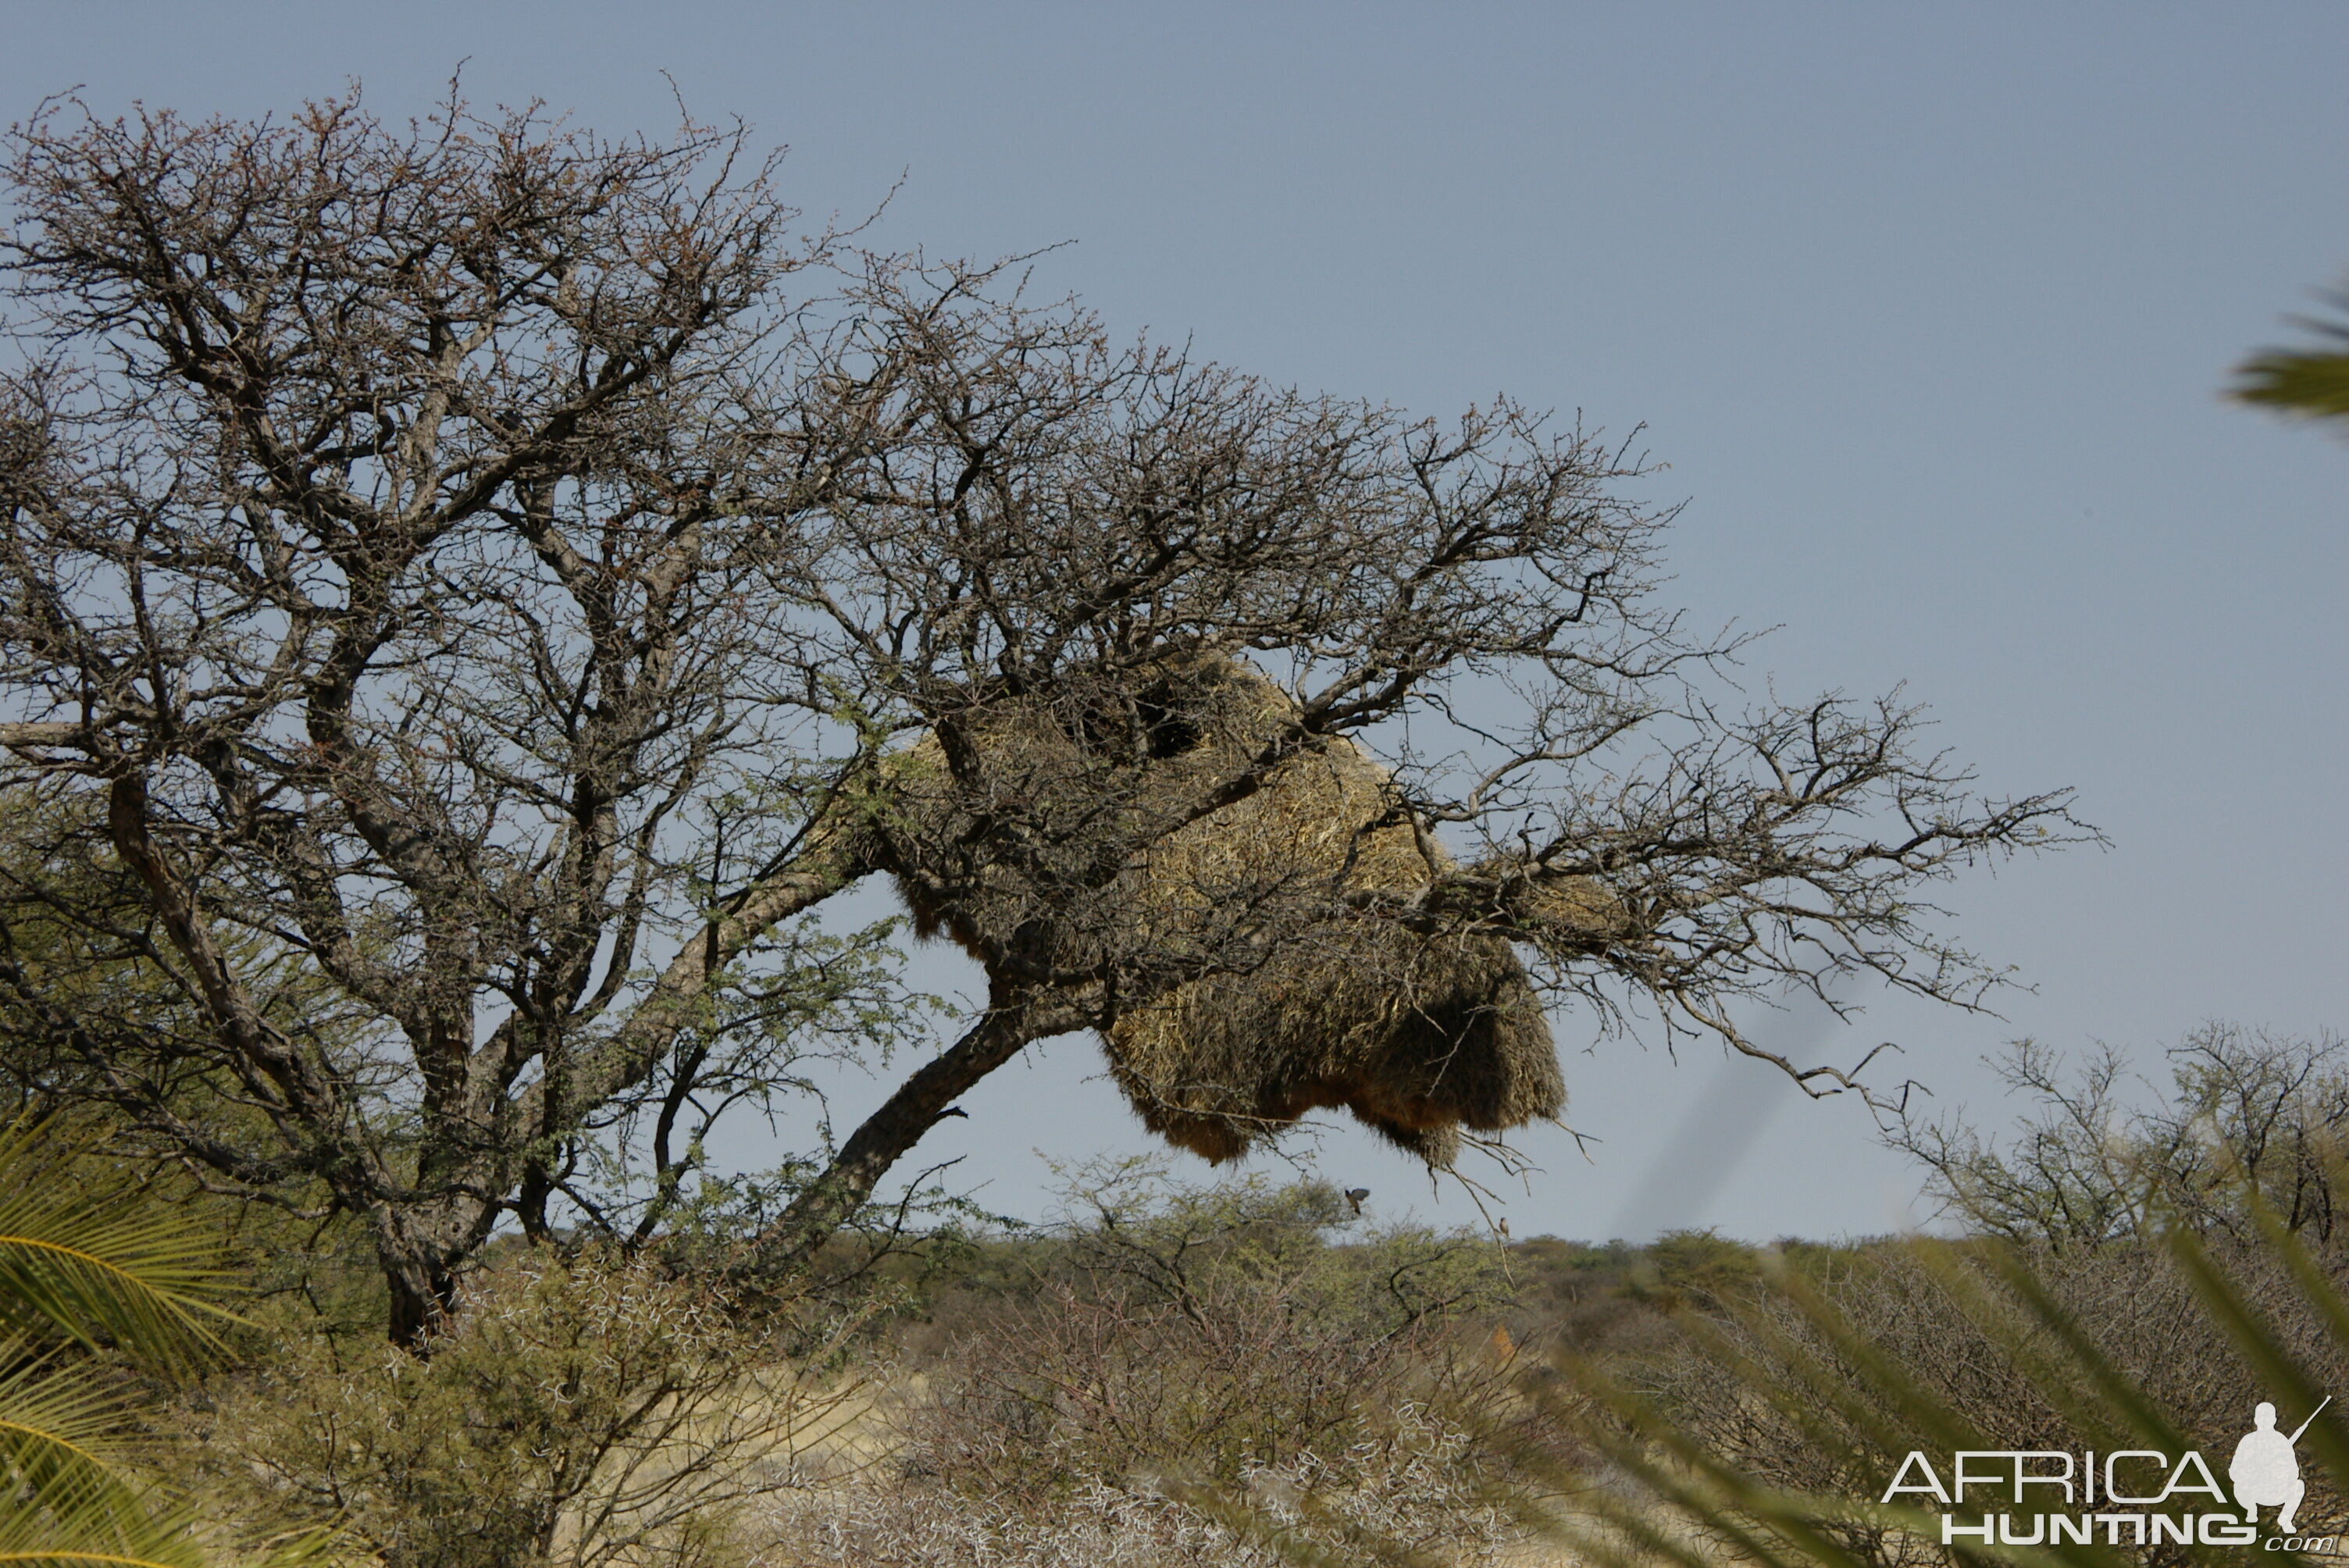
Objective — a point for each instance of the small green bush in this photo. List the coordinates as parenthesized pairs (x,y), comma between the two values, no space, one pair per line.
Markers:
(591,1413)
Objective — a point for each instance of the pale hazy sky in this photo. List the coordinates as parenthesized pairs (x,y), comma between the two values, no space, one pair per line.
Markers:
(1927,307)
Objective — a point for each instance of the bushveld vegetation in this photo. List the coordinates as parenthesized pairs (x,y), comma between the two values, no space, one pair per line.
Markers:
(1244,1372)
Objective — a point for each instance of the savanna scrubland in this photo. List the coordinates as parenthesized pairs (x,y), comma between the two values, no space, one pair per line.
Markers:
(1175,1372)
(475,594)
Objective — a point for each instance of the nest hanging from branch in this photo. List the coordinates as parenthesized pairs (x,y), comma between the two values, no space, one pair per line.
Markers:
(1085,837)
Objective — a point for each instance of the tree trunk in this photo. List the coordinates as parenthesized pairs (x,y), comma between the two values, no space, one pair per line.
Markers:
(423,1293)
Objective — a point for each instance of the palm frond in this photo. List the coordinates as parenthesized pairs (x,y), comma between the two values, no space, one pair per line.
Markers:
(94,1532)
(1644,1488)
(102,1264)
(2312,382)
(1673,1489)
(61,1428)
(87,1265)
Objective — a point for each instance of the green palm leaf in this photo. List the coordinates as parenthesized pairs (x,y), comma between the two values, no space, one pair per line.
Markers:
(1645,1490)
(104,1264)
(2313,382)
(89,1265)
(61,1430)
(91,1533)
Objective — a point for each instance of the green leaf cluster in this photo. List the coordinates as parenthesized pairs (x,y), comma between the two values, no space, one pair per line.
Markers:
(2312,381)
(106,1293)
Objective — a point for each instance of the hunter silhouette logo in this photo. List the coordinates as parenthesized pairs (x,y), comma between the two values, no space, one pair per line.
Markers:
(2265,1470)
(2129,1497)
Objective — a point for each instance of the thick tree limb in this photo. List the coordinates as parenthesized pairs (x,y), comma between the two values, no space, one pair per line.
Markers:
(920,1103)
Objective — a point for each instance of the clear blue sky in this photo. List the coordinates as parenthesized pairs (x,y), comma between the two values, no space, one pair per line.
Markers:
(1927,307)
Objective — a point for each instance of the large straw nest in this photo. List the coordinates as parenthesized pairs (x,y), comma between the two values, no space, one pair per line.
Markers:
(1303,999)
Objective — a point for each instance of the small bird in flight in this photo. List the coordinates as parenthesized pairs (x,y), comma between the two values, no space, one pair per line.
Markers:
(1355,1195)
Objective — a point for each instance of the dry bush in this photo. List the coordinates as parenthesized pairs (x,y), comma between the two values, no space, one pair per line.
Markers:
(1412,1487)
(1171,1347)
(2248,1121)
(594,1414)
(2091,1198)
(1124,1388)
(1945,1318)
(2148,1275)
(1187,1334)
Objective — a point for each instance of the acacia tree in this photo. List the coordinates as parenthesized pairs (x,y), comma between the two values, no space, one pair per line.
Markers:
(467,592)
(2251,1124)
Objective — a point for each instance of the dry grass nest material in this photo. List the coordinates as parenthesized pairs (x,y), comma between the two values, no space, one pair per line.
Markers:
(1301,1001)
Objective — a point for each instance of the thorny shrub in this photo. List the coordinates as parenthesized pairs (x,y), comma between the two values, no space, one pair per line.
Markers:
(1945,1318)
(1179,1335)
(2248,1121)
(592,1414)
(1410,1487)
